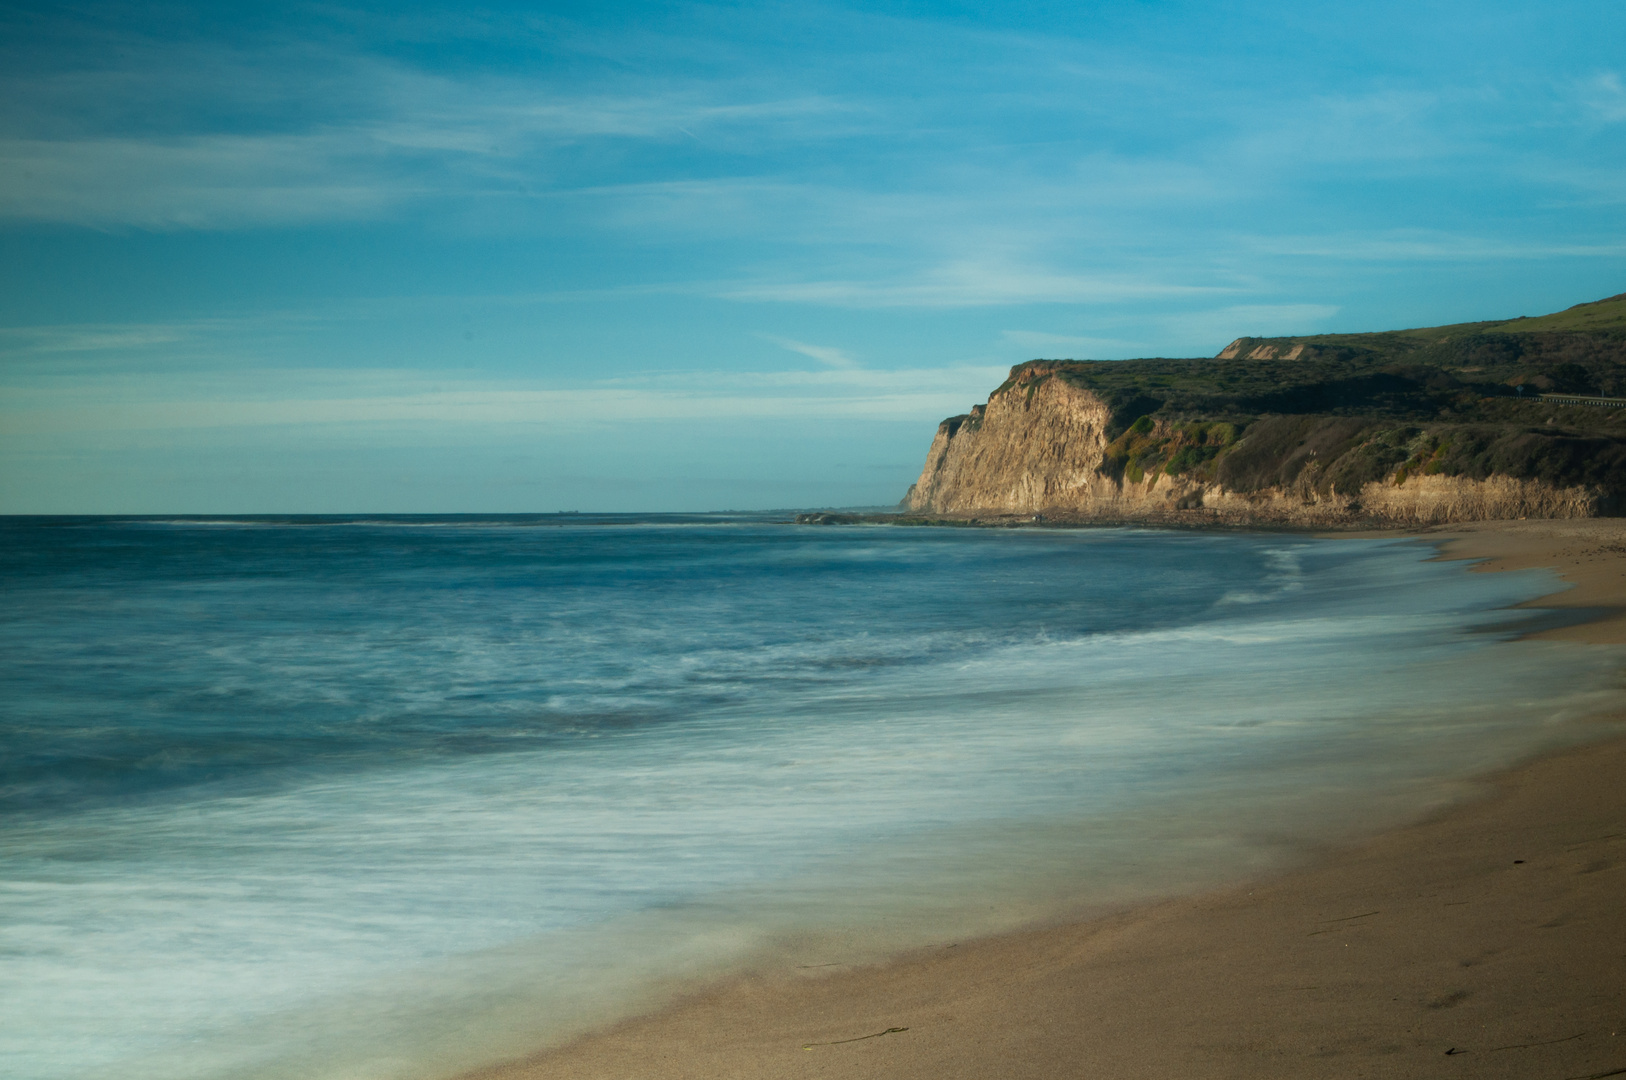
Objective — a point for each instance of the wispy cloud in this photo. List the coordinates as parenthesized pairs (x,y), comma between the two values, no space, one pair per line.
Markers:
(1420,245)
(208,182)
(47,340)
(362,398)
(966,284)
(1036,168)
(115,351)
(824,354)
(200,137)
(1379,128)
(1604,97)
(554,407)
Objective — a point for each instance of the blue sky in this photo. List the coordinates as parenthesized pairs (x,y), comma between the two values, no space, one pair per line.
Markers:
(664,257)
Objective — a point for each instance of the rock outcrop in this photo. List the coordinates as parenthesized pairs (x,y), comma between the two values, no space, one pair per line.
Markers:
(1044,445)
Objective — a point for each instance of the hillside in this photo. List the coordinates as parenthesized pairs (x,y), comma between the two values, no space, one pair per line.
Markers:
(1430,424)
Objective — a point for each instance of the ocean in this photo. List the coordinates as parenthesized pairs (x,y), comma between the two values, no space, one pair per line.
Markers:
(393,797)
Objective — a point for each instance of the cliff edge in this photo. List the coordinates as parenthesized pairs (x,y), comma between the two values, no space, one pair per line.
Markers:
(1470,422)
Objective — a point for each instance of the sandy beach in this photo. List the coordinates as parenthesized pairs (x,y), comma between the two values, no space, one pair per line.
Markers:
(1487,941)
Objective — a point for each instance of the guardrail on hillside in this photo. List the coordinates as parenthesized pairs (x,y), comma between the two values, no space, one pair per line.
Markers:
(1586,399)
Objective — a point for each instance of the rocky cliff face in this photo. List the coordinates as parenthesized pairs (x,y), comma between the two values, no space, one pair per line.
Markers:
(1044,445)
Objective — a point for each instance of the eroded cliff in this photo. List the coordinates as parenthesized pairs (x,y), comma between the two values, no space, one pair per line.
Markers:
(1048,443)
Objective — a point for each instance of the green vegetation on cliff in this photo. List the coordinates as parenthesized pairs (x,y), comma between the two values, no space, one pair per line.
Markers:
(1334,411)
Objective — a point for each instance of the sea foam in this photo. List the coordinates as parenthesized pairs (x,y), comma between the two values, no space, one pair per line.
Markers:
(367,802)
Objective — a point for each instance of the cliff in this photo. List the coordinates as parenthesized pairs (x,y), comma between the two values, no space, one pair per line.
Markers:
(1435,425)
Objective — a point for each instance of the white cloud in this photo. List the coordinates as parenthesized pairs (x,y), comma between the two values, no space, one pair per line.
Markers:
(965,284)
(824,354)
(276,398)
(833,381)
(88,339)
(372,135)
(1422,245)
(217,181)
(1605,97)
(1091,202)
(473,407)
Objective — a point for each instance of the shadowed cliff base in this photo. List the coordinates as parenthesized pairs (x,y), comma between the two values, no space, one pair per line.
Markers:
(1473,422)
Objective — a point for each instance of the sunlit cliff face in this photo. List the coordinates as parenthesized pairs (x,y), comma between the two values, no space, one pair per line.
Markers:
(1040,446)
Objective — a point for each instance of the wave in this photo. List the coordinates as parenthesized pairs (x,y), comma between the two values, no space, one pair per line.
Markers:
(466,793)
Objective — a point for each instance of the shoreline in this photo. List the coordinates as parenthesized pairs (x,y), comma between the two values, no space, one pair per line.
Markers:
(1589,553)
(1487,940)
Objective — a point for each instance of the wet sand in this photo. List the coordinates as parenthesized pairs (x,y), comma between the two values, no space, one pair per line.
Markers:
(1488,941)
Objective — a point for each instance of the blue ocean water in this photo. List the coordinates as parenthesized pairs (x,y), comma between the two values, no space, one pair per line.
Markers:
(394,797)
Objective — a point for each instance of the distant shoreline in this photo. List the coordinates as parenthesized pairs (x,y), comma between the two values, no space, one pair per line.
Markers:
(1181,523)
(1488,933)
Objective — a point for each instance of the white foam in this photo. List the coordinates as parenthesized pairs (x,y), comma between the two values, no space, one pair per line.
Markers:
(405,922)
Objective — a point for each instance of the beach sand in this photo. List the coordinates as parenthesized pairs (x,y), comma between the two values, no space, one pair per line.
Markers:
(1488,941)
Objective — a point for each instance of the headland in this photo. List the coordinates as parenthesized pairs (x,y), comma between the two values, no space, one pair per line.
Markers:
(1469,422)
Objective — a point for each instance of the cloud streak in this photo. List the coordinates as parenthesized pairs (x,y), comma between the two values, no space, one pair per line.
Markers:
(283,398)
(210,182)
(1428,246)
(824,354)
(965,284)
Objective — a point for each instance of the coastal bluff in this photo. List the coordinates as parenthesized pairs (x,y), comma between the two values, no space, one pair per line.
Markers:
(1463,423)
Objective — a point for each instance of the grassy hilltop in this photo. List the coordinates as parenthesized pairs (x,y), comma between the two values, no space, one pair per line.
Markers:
(1338,410)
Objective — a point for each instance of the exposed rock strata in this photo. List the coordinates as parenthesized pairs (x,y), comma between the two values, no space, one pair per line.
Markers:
(1040,446)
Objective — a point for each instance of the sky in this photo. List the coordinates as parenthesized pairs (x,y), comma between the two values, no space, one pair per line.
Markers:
(366,258)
